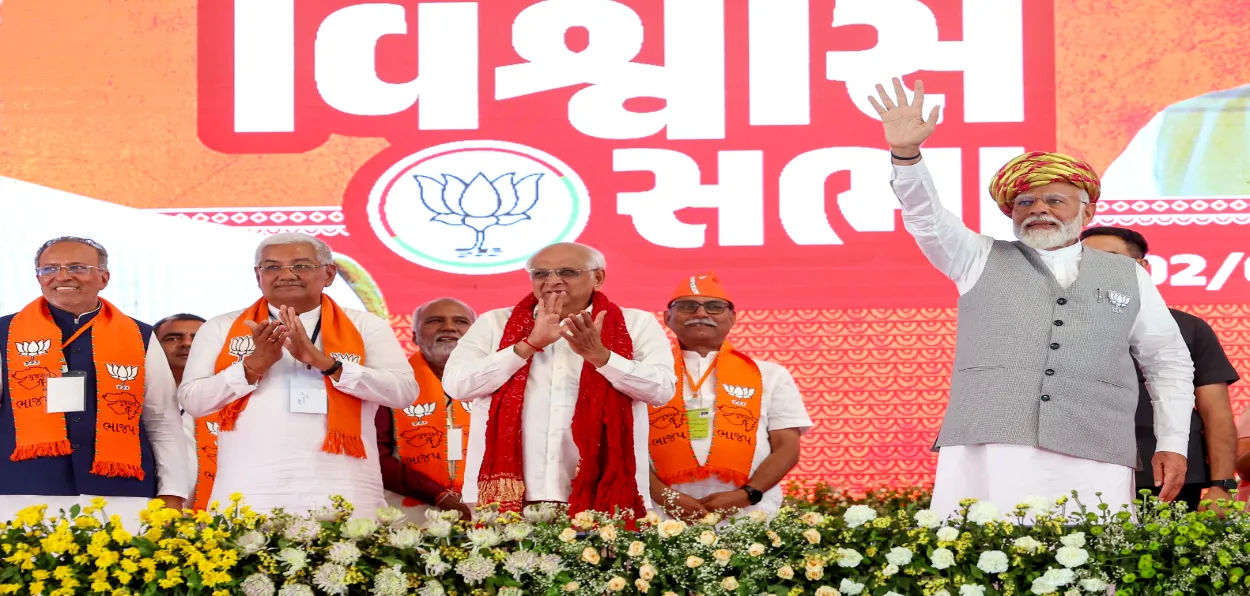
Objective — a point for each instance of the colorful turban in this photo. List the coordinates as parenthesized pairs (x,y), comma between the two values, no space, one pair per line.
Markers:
(1040,168)
(700,285)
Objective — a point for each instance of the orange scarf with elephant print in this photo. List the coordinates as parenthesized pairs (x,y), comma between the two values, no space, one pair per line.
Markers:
(35,354)
(735,420)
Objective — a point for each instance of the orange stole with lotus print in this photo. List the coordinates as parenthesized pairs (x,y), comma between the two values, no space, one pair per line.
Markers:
(735,420)
(34,354)
(421,429)
(206,429)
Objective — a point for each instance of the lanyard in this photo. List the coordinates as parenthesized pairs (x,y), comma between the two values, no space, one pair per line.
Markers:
(77,334)
(696,386)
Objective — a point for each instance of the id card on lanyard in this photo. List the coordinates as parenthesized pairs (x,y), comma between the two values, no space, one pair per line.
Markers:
(68,392)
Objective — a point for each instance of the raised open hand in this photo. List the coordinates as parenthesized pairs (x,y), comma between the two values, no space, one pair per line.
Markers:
(584,336)
(267,338)
(547,328)
(905,124)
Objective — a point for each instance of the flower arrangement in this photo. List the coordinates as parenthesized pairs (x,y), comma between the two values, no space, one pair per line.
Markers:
(1068,550)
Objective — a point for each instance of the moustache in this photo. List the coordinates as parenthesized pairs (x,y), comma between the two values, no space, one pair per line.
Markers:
(1042,218)
(701,321)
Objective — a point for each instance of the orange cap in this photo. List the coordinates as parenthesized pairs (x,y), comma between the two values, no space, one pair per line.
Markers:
(701,285)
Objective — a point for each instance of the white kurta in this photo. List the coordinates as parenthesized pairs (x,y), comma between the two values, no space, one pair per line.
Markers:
(161,421)
(781,407)
(274,456)
(478,367)
(1007,474)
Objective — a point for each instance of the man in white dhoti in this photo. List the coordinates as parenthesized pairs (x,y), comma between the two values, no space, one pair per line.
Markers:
(1043,393)
(290,387)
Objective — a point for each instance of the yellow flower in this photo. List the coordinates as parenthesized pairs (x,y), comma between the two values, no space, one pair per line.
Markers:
(10,588)
(236,497)
(568,535)
(643,585)
(40,574)
(36,588)
(590,555)
(722,556)
(812,536)
(32,516)
(608,534)
(98,502)
(62,573)
(786,572)
(617,583)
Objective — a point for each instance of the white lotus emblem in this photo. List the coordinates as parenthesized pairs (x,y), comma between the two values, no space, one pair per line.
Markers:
(33,349)
(123,374)
(419,410)
(739,392)
(242,346)
(343,357)
(213,428)
(480,204)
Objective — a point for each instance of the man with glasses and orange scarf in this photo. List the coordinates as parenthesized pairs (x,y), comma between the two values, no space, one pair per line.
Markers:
(562,382)
(87,407)
(289,388)
(731,431)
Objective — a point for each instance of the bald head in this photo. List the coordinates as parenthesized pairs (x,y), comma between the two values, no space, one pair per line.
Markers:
(437,327)
(568,272)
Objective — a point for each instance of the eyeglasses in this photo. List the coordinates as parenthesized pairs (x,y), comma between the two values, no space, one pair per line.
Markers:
(301,269)
(711,307)
(75,270)
(1052,202)
(540,274)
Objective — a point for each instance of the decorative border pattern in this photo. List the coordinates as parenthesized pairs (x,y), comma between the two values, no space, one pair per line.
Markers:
(315,221)
(1174,211)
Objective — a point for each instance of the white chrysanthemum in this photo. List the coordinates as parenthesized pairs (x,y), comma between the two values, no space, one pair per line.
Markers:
(947,534)
(1093,584)
(359,528)
(850,588)
(405,538)
(483,537)
(434,564)
(257,584)
(890,570)
(484,516)
(926,518)
(1037,505)
(295,590)
(971,590)
(343,553)
(439,528)
(898,556)
(1075,540)
(550,564)
(982,512)
(941,593)
(1052,580)
(295,559)
(539,514)
(942,558)
(431,588)
(520,562)
(251,542)
(1071,556)
(301,531)
(858,515)
(1027,544)
(389,516)
(390,582)
(891,593)
(331,578)
(475,569)
(993,561)
(848,557)
(325,514)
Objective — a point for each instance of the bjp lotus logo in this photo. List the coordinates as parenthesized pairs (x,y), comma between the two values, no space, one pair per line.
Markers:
(242,346)
(419,411)
(33,349)
(123,374)
(477,207)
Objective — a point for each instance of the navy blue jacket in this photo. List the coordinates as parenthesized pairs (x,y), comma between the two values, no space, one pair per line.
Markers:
(69,474)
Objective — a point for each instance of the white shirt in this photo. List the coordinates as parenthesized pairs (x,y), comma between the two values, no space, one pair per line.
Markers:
(477,367)
(1154,341)
(161,421)
(781,407)
(274,456)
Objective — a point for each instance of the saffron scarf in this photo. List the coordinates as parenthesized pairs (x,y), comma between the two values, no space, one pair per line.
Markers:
(35,355)
(736,418)
(340,339)
(603,426)
(206,430)
(421,430)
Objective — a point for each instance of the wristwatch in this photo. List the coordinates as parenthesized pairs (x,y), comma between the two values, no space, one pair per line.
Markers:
(1224,484)
(754,496)
(333,368)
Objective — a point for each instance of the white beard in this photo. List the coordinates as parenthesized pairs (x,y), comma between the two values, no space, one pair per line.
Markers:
(437,352)
(1068,231)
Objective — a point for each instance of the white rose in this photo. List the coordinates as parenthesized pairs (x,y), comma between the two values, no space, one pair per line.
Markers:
(711,519)
(708,538)
(756,549)
(1075,540)
(1071,556)
(814,573)
(942,558)
(812,518)
(636,549)
(607,533)
(848,557)
(647,572)
(982,512)
(729,583)
(568,535)
(858,515)
(652,518)
(571,586)
(643,585)
(775,538)
(693,562)
(758,516)
(670,528)
(927,519)
(1093,585)
(722,556)
(898,556)
(993,561)
(1027,544)
(617,583)
(786,572)
(826,591)
(947,534)
(812,536)
(590,555)
(889,570)
(584,520)
(971,590)
(850,587)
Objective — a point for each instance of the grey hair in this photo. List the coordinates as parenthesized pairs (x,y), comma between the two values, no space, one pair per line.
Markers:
(99,249)
(416,314)
(324,255)
(595,259)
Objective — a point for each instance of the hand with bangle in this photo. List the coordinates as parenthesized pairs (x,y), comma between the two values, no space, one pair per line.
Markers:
(547,326)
